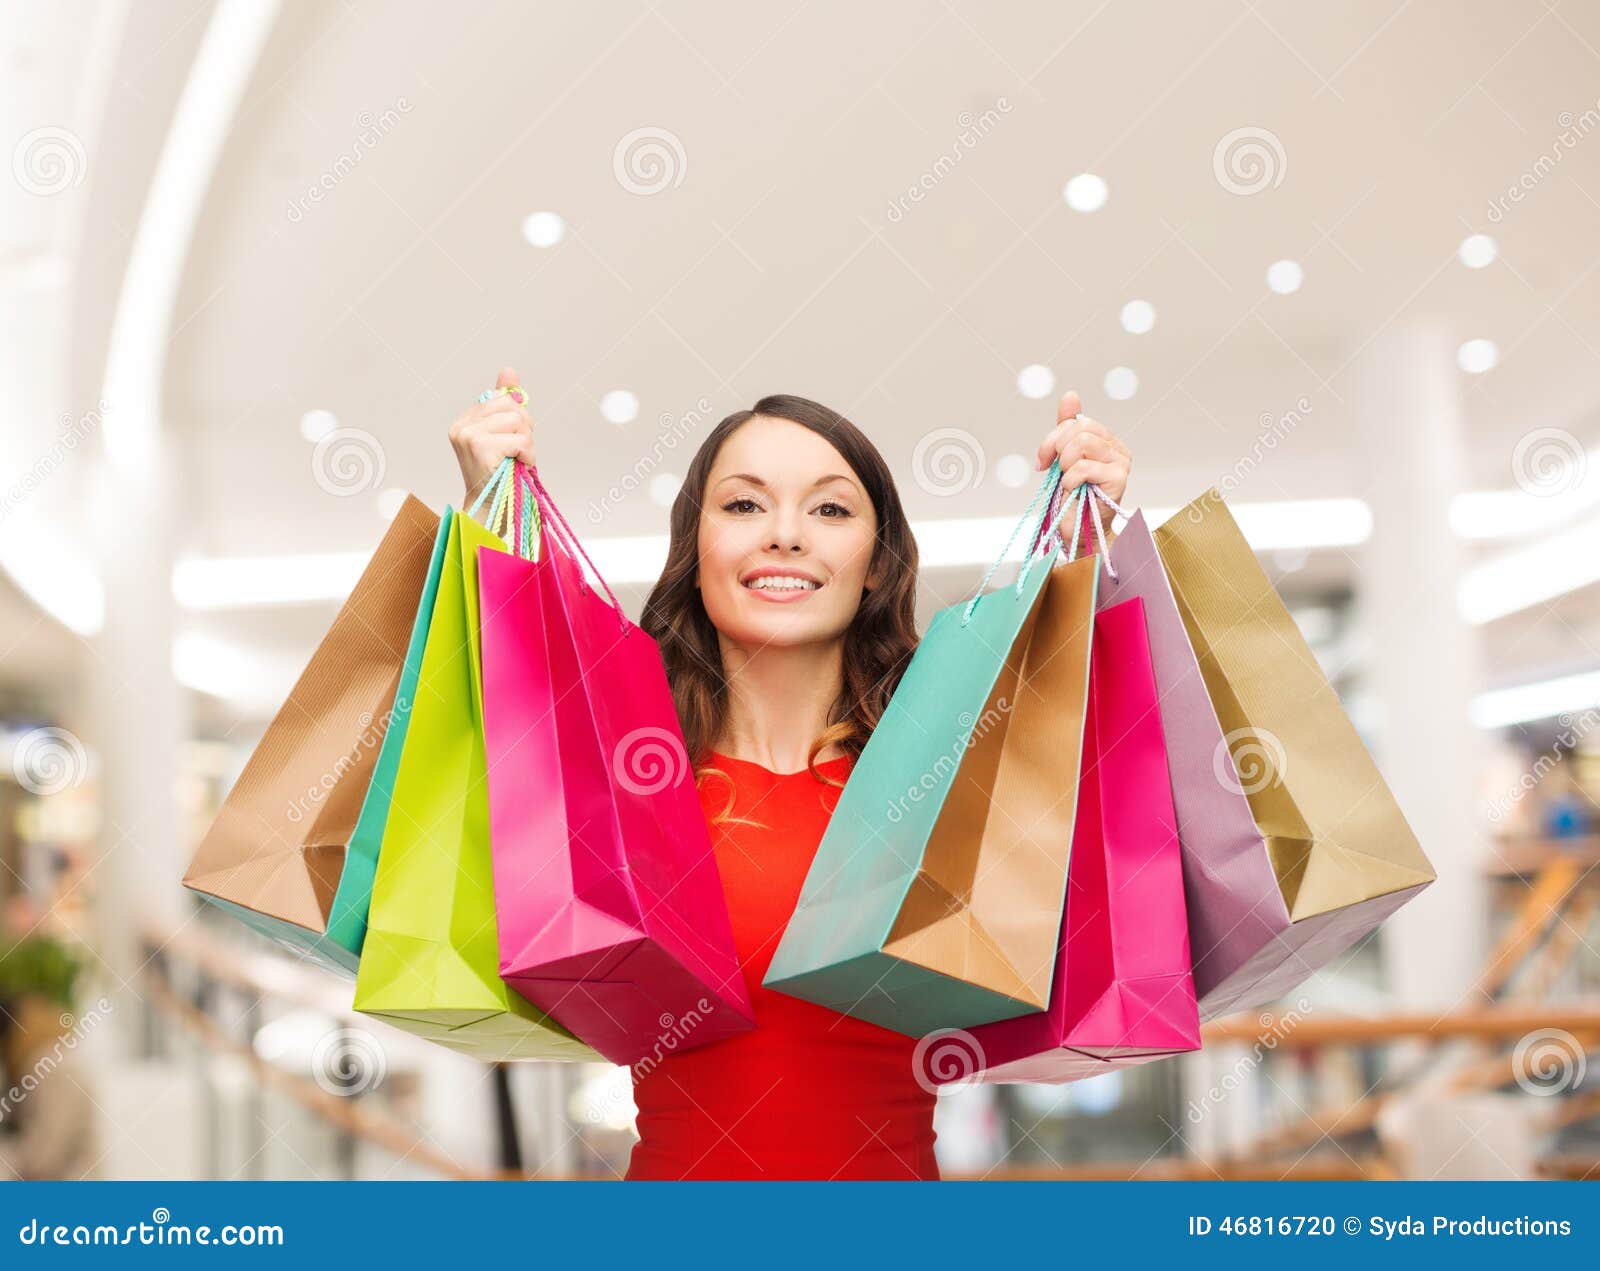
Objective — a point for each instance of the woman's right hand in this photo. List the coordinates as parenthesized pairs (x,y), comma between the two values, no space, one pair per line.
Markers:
(486,432)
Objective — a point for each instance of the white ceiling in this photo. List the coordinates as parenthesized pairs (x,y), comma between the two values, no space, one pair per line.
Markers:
(774,265)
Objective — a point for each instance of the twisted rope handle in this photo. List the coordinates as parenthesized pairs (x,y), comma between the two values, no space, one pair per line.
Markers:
(1088,493)
(1046,490)
(545,506)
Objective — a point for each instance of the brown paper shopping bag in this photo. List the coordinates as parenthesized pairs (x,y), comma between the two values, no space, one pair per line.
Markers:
(275,855)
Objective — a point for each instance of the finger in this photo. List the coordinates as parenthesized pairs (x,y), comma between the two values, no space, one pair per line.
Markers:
(507,377)
(1086,445)
(1091,470)
(1068,406)
(501,419)
(1050,446)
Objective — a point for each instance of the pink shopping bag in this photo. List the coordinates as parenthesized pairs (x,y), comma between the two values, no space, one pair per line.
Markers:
(1123,992)
(610,907)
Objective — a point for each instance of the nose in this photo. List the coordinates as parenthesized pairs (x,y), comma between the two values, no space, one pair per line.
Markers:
(786,532)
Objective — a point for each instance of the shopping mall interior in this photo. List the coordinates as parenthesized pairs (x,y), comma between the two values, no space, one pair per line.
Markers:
(1336,262)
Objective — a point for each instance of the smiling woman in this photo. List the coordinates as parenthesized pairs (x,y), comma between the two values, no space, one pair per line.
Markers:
(788,490)
(785,617)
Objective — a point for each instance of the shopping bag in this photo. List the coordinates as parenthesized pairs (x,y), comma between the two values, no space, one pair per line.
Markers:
(430,964)
(935,896)
(609,905)
(286,853)
(1122,992)
(354,898)
(1339,851)
(1234,902)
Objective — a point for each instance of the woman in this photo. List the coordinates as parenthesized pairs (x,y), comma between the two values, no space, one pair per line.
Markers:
(785,619)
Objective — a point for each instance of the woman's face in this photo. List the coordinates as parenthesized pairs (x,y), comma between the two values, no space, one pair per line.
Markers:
(782,504)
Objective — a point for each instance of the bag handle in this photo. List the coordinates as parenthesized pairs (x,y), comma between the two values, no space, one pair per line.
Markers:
(549,516)
(1087,492)
(1046,490)
(508,514)
(522,512)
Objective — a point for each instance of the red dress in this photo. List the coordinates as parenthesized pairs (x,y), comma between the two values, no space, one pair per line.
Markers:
(809,1093)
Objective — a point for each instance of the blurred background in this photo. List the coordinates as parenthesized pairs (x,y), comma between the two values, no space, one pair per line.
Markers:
(1337,260)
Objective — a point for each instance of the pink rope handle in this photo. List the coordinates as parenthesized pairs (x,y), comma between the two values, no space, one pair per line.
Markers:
(552,516)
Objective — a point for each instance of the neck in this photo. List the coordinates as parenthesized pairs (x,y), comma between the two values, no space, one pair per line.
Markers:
(778,701)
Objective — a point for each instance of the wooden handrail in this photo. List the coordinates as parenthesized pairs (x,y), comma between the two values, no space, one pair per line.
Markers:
(1488,1023)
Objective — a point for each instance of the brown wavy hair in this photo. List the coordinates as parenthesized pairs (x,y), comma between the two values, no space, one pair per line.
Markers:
(878,644)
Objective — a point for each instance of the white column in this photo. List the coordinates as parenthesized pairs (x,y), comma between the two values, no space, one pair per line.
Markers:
(1423,661)
(139,712)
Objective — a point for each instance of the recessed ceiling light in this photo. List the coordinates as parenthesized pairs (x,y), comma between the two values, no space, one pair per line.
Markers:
(1478,250)
(543,229)
(664,489)
(1138,316)
(1013,470)
(1035,381)
(1121,383)
(389,503)
(1285,276)
(619,406)
(1085,193)
(1477,356)
(317,424)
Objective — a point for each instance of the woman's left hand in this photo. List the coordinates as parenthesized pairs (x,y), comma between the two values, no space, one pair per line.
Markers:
(1089,451)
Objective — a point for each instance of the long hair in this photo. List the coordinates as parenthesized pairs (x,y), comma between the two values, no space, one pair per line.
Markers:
(878,643)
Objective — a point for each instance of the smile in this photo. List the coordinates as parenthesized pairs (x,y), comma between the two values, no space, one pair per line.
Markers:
(781,587)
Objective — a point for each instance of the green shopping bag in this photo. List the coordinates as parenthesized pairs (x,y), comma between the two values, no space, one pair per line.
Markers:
(430,964)
(936,895)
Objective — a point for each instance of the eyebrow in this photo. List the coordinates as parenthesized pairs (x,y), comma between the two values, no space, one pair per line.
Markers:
(755,480)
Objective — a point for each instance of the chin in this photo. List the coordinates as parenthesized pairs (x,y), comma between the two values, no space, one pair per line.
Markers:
(779,630)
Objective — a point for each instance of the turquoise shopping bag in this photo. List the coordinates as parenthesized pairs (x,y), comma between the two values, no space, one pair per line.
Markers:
(935,897)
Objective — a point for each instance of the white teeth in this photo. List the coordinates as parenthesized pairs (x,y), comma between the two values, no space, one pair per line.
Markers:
(774,582)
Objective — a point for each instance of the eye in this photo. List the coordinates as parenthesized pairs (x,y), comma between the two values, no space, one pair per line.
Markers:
(839,508)
(731,504)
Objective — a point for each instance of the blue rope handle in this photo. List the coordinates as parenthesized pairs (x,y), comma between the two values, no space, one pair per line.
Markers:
(1046,490)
